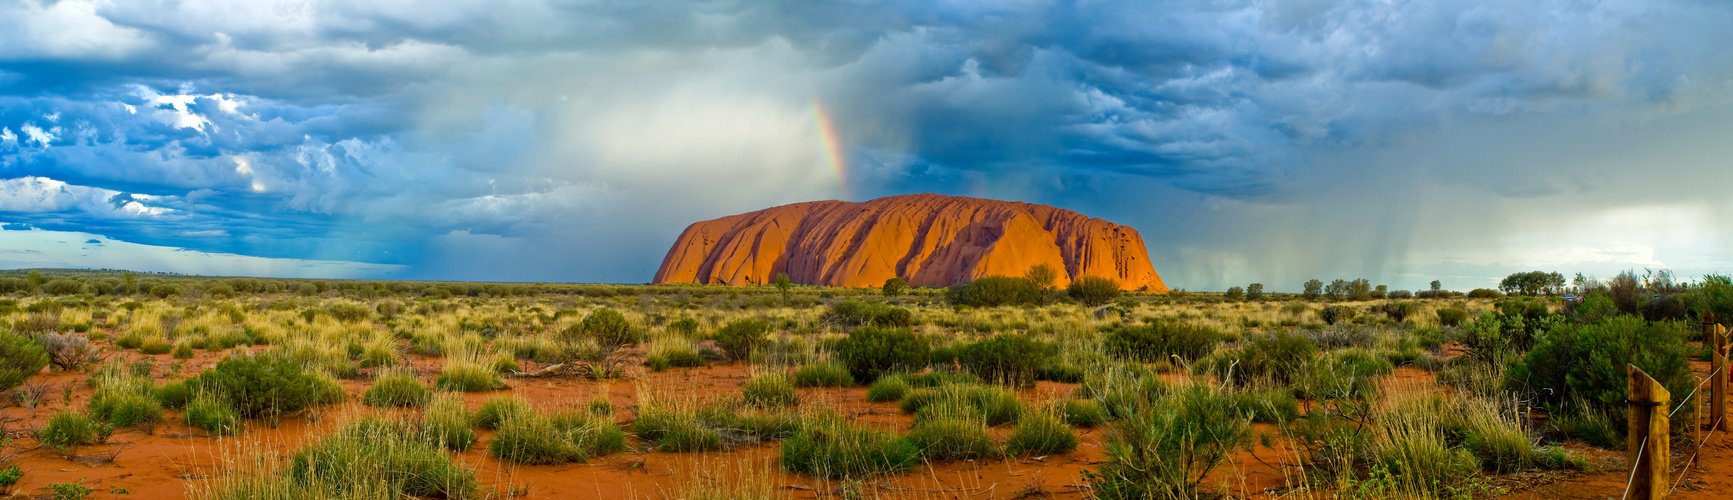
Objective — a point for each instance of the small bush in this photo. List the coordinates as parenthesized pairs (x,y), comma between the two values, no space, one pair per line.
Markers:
(676,430)
(183,350)
(672,353)
(66,429)
(888,388)
(830,448)
(174,394)
(1040,434)
(67,352)
(1280,358)
(872,352)
(530,438)
(260,385)
(1336,314)
(154,346)
(739,337)
(1588,362)
(1093,291)
(1451,316)
(125,401)
(399,389)
(822,374)
(1011,359)
(773,389)
(994,291)
(609,328)
(496,410)
(856,313)
(1157,341)
(212,414)
(992,405)
(20,358)
(1166,451)
(468,377)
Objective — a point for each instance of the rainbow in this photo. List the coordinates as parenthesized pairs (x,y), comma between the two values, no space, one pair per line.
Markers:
(832,146)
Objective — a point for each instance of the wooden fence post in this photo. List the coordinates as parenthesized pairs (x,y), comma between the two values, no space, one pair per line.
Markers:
(1646,439)
(1718,381)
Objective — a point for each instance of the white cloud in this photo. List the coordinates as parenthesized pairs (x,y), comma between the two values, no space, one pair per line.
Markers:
(41,195)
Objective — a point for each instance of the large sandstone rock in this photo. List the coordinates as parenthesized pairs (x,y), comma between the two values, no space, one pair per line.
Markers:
(927,239)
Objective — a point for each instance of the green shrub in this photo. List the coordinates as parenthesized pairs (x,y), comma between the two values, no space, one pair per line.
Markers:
(530,438)
(822,374)
(261,385)
(994,291)
(1588,362)
(1336,314)
(1268,405)
(772,389)
(855,313)
(125,404)
(608,327)
(1040,434)
(468,377)
(1157,341)
(66,429)
(1450,316)
(739,337)
(212,414)
(676,430)
(496,410)
(872,352)
(830,448)
(20,357)
(1013,359)
(677,354)
(445,423)
(183,350)
(888,388)
(174,394)
(369,455)
(1400,311)
(685,327)
(1093,291)
(1166,451)
(399,389)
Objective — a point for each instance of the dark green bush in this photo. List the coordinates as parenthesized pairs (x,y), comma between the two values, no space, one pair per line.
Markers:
(1336,314)
(1007,358)
(1155,342)
(348,313)
(872,352)
(853,313)
(1587,363)
(1451,316)
(1400,311)
(1093,291)
(20,358)
(261,385)
(739,337)
(994,291)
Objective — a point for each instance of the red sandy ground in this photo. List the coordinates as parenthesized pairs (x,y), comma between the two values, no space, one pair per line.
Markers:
(165,461)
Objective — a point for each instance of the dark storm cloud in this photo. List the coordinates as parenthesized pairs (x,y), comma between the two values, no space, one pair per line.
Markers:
(443,134)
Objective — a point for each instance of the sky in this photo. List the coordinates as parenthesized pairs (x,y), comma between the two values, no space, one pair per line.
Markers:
(572,140)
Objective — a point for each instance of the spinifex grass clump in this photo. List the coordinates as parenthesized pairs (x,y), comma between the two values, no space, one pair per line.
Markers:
(397,389)
(828,447)
(888,388)
(445,423)
(1040,433)
(212,414)
(566,436)
(994,406)
(676,429)
(124,399)
(1084,412)
(66,428)
(467,376)
(672,352)
(496,410)
(368,458)
(952,430)
(1166,449)
(822,374)
(770,389)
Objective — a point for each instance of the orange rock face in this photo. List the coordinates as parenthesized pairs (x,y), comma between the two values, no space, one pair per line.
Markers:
(926,239)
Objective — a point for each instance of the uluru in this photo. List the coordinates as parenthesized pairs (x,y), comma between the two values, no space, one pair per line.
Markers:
(926,239)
